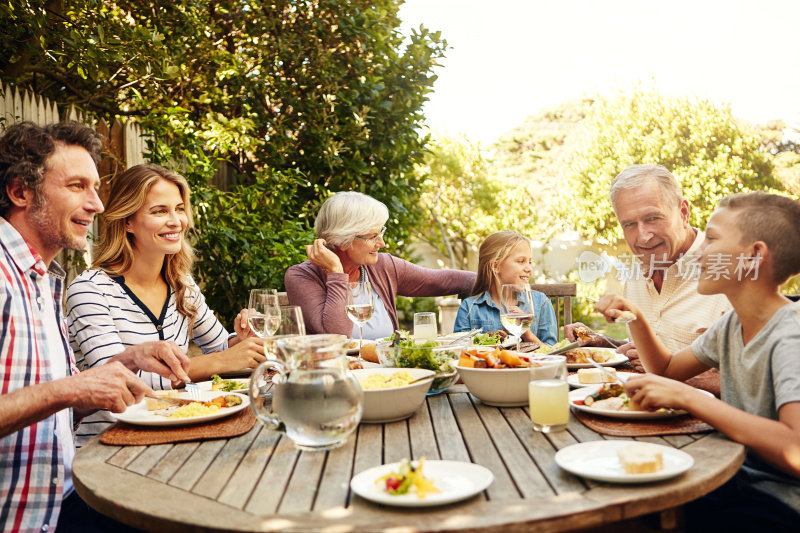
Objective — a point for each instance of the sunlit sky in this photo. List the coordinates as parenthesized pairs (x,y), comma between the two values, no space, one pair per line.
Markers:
(512,58)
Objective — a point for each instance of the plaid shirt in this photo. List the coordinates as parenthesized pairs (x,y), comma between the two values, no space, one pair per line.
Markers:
(31,461)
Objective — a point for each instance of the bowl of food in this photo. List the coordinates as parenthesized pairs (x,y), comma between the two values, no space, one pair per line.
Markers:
(430,355)
(498,378)
(388,393)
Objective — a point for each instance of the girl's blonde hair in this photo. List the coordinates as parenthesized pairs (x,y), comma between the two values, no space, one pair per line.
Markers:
(114,251)
(493,251)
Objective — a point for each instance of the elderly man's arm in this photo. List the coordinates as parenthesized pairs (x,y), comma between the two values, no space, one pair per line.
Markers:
(110,386)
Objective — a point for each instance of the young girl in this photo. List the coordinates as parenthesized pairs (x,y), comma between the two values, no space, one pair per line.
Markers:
(505,257)
(140,288)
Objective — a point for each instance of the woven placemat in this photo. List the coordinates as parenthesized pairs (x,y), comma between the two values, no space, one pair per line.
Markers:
(123,434)
(680,425)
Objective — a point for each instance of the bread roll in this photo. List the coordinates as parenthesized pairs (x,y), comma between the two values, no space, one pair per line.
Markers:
(640,458)
(369,352)
(592,376)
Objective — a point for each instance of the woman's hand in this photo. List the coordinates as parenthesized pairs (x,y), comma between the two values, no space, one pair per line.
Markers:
(241,325)
(248,353)
(319,254)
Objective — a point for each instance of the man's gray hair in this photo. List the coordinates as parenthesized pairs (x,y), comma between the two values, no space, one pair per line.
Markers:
(637,175)
(348,214)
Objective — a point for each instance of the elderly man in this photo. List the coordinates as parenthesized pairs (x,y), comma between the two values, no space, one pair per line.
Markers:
(48,199)
(654,217)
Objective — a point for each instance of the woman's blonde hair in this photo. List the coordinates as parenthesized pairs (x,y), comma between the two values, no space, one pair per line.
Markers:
(114,252)
(493,251)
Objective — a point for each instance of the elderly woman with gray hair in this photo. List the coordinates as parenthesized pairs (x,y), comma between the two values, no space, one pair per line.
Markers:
(349,229)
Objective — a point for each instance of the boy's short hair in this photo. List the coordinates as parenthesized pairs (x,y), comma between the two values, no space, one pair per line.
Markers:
(776,221)
(25,148)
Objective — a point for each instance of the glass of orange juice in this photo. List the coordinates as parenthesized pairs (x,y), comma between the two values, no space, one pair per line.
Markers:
(548,393)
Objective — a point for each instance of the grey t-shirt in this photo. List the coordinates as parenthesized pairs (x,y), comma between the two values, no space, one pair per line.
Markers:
(758,378)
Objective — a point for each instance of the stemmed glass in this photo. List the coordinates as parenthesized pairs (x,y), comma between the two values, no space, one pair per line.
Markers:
(516,309)
(263,311)
(289,324)
(359,306)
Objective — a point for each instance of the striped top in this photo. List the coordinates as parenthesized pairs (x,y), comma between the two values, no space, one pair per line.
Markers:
(105,318)
(33,460)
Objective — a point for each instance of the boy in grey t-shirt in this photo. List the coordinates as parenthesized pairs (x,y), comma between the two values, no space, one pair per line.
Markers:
(752,246)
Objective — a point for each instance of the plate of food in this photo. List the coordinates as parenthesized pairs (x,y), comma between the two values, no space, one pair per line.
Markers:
(623,461)
(217,383)
(421,483)
(210,405)
(587,377)
(610,400)
(579,357)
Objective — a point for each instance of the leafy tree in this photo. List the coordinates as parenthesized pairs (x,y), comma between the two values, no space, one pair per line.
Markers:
(707,149)
(277,89)
(465,200)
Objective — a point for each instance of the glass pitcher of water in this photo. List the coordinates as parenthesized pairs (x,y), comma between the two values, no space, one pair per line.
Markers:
(314,398)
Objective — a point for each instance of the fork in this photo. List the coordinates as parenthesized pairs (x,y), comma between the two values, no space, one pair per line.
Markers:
(193,389)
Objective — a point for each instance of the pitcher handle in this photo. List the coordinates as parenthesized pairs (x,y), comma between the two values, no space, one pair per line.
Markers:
(263,410)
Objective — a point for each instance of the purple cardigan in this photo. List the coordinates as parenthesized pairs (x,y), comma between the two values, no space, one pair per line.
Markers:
(321,294)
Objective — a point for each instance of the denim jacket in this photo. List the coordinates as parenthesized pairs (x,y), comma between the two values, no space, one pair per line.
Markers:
(481,312)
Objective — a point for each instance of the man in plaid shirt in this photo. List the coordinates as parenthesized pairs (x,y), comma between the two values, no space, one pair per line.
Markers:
(48,199)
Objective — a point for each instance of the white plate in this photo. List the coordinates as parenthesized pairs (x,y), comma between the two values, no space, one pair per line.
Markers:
(572,379)
(598,460)
(455,479)
(580,394)
(206,385)
(139,415)
(618,359)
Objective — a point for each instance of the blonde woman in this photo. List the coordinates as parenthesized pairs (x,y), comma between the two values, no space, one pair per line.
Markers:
(505,257)
(139,287)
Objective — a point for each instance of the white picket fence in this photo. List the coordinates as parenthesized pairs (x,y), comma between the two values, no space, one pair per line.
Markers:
(125,144)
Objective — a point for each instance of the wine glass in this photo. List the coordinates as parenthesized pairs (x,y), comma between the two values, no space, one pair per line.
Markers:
(516,309)
(263,311)
(359,306)
(289,324)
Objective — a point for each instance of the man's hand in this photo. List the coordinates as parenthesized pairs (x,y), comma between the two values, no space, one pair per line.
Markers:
(319,254)
(110,386)
(612,306)
(629,350)
(585,336)
(165,358)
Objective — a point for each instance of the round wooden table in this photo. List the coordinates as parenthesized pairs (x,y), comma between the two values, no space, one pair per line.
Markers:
(260,482)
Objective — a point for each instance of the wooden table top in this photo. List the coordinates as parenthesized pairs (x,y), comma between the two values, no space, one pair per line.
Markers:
(261,482)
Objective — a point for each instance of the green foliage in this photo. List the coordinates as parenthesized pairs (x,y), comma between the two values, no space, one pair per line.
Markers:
(464,202)
(703,145)
(324,88)
(246,240)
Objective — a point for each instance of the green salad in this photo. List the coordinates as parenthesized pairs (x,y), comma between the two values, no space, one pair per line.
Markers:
(426,355)
(487,338)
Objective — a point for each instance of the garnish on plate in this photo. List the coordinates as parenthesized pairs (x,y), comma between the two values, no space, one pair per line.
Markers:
(227,385)
(408,478)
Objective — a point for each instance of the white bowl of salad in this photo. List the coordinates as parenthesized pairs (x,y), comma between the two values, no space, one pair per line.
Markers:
(431,355)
